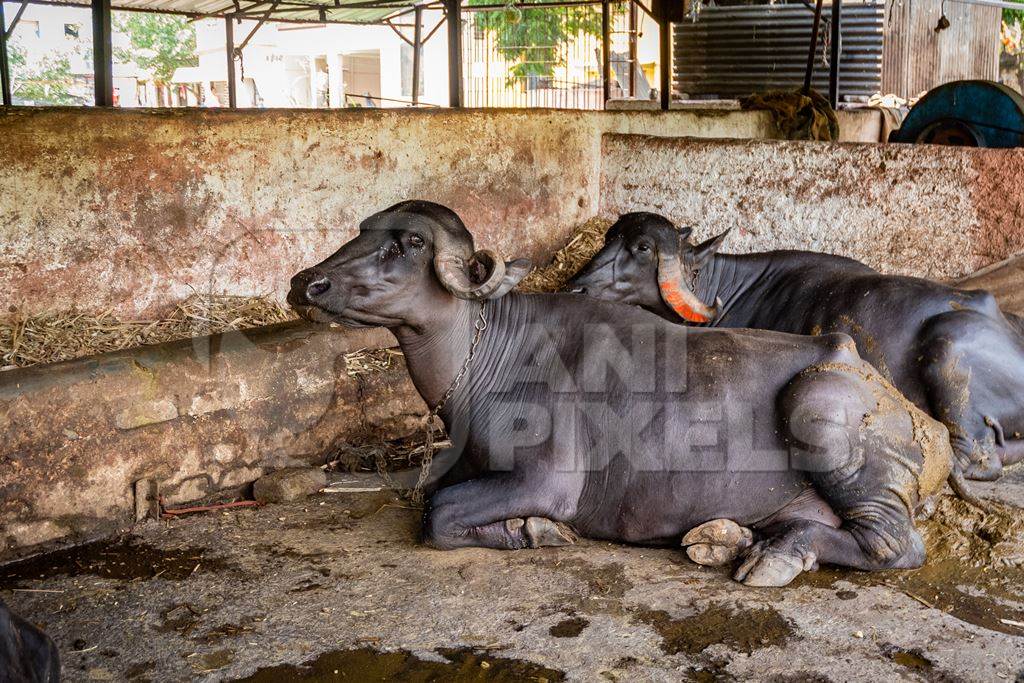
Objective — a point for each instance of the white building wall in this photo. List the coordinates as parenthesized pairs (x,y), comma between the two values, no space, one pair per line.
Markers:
(279,60)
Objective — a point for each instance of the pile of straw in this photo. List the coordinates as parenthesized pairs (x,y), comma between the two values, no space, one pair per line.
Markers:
(52,337)
(581,247)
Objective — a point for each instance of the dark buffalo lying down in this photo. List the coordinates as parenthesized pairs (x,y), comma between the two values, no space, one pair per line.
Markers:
(579,415)
(950,351)
(27,655)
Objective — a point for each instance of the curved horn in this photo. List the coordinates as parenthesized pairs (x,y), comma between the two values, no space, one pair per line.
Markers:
(678,296)
(454,261)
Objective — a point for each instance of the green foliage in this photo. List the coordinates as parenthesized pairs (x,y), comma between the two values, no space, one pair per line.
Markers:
(160,43)
(531,38)
(48,81)
(1014,16)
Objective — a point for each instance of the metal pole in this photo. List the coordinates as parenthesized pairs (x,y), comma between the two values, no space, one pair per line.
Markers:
(606,51)
(5,73)
(417,54)
(454,17)
(229,34)
(102,53)
(632,47)
(665,60)
(833,74)
(812,53)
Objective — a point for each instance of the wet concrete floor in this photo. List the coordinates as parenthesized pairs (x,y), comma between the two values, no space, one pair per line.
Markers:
(337,588)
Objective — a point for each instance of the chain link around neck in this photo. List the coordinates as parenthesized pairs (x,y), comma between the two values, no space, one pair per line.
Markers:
(415,495)
(478,332)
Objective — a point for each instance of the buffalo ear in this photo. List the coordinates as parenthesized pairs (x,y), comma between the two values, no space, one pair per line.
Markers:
(702,253)
(514,272)
(684,231)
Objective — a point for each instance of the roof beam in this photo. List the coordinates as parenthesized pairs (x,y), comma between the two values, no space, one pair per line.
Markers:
(263,19)
(16,19)
(399,33)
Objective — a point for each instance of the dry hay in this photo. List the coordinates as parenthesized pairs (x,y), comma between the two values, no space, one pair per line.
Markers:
(981,538)
(371,361)
(395,454)
(586,241)
(53,337)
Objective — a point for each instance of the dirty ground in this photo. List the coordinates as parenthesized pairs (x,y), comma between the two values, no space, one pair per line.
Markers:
(337,588)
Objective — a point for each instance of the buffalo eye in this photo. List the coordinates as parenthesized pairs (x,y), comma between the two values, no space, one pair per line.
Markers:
(642,248)
(416,240)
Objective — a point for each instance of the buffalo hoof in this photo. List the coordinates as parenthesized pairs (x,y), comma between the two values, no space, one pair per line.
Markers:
(717,543)
(765,566)
(544,533)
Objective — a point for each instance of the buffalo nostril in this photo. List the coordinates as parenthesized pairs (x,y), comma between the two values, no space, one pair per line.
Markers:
(317,287)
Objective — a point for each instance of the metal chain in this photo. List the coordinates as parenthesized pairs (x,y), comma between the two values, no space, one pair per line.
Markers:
(478,332)
(416,494)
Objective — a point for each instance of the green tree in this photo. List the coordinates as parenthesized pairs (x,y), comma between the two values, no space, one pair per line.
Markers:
(160,43)
(1014,16)
(532,38)
(47,81)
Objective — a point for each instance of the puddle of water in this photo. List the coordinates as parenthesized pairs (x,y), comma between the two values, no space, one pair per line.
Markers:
(744,629)
(371,666)
(122,559)
(910,659)
(569,628)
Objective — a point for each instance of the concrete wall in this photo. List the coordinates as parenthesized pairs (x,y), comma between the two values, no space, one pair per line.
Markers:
(135,210)
(937,212)
(197,417)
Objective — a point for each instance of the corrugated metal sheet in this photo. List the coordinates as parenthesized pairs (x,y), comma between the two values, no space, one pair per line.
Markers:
(916,58)
(735,51)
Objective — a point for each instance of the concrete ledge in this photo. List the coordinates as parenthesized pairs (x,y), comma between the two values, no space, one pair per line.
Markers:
(862,124)
(197,416)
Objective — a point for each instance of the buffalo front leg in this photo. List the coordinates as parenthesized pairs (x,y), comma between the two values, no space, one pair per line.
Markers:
(497,511)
